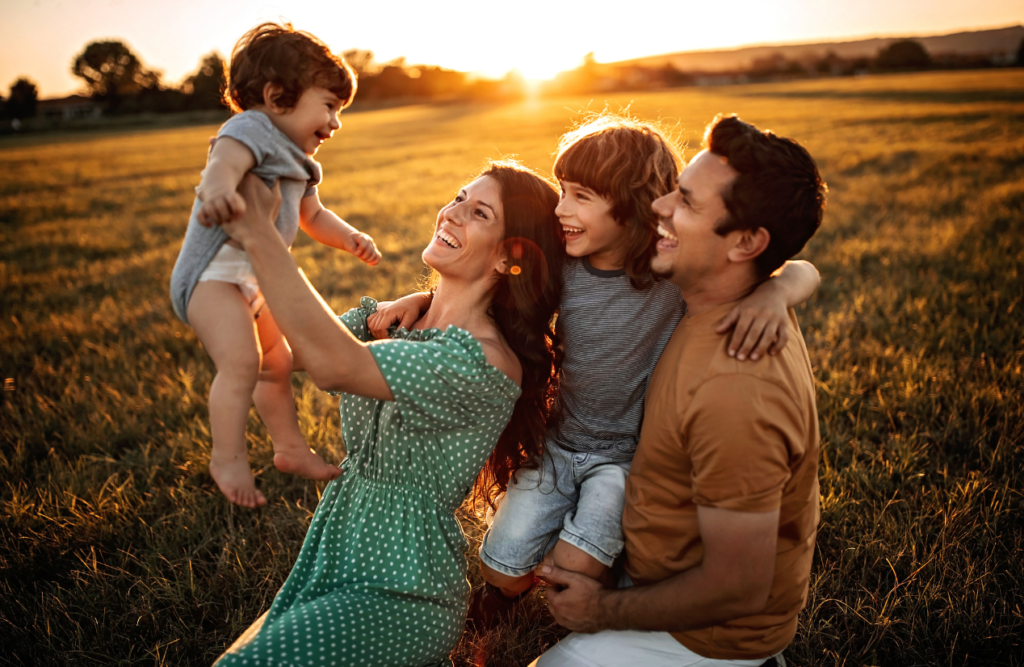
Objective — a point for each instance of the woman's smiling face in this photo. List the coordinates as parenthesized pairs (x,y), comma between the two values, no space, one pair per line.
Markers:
(468,233)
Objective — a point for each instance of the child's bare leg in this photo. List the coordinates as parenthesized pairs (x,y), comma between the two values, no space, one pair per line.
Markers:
(276,406)
(220,316)
(572,558)
(510,586)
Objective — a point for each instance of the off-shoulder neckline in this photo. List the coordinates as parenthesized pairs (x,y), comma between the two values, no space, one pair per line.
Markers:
(451,332)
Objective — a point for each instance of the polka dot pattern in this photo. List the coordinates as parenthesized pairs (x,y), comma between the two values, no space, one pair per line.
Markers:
(381,576)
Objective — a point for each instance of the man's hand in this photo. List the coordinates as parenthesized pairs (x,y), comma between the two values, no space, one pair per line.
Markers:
(580,604)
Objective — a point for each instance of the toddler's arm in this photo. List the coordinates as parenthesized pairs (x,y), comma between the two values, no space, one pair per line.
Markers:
(402,312)
(325,226)
(759,321)
(218,189)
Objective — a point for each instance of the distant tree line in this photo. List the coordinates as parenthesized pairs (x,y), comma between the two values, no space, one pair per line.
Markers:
(900,56)
(117,80)
(397,80)
(119,83)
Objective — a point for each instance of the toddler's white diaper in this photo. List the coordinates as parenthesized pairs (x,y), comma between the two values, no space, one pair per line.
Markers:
(231,265)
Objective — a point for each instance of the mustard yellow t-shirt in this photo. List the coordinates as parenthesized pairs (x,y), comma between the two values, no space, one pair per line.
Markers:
(737,435)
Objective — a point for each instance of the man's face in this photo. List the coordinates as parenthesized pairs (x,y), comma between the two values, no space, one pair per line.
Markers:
(689,250)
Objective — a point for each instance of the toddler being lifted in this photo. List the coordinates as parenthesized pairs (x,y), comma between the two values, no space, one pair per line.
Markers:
(287,89)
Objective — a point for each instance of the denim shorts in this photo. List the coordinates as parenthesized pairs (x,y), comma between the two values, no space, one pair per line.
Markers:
(575,497)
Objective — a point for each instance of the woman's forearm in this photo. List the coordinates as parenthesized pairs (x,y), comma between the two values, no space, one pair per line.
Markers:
(332,357)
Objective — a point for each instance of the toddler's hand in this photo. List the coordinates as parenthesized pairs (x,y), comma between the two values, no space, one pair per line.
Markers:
(362,246)
(219,209)
(759,324)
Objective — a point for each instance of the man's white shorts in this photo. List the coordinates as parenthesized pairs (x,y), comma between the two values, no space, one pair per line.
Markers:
(614,648)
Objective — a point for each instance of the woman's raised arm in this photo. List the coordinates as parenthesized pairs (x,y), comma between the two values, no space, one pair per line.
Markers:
(332,357)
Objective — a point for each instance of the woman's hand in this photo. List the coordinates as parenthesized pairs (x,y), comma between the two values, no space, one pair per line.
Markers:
(759,323)
(261,207)
(402,313)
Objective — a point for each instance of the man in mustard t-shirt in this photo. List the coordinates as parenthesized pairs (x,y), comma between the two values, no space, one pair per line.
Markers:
(722,497)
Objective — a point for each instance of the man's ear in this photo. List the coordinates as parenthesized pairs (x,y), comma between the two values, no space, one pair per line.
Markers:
(272,93)
(749,244)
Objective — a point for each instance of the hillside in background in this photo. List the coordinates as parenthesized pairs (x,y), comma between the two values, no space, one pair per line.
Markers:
(979,42)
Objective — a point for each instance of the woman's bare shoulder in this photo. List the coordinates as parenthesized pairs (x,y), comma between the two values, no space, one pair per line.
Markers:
(501,356)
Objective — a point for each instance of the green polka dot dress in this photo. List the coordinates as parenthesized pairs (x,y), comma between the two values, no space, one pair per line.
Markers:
(381,577)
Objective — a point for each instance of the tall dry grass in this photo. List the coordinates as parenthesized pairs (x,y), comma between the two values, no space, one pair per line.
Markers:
(116,548)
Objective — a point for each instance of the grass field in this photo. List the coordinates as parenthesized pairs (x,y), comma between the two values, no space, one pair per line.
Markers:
(117,549)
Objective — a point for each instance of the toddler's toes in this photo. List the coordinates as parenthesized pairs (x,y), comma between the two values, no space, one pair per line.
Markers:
(257,499)
(235,481)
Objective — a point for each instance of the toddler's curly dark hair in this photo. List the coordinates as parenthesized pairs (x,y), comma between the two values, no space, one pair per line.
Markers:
(289,58)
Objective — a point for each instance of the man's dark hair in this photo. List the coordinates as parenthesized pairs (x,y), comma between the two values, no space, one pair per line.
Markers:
(778,187)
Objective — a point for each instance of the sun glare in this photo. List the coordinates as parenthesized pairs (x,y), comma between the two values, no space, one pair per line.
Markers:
(540,69)
(532,68)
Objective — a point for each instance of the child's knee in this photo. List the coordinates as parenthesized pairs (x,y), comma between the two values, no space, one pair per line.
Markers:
(277,363)
(570,557)
(241,367)
(507,583)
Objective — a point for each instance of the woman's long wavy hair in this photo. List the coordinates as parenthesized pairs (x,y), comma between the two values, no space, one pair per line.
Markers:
(523,307)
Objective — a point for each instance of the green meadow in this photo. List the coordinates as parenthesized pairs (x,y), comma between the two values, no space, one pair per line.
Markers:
(117,549)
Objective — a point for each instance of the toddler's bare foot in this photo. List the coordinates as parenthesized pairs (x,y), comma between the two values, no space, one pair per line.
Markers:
(304,462)
(234,477)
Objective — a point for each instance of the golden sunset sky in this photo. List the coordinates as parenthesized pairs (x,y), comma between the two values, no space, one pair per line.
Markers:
(40,38)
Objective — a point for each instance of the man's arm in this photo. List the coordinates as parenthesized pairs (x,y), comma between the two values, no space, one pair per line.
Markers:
(733,580)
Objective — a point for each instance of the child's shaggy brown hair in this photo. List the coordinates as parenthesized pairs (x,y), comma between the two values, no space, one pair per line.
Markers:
(631,164)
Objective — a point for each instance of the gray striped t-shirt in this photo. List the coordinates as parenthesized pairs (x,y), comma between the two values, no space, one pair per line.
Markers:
(613,335)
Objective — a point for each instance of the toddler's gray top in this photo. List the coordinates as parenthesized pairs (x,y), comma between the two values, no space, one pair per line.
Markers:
(278,158)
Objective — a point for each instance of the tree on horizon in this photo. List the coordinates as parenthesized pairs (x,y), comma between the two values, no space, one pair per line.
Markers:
(206,87)
(904,54)
(22,102)
(112,72)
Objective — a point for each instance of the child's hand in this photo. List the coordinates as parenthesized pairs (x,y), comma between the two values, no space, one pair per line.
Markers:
(362,246)
(402,313)
(221,208)
(759,324)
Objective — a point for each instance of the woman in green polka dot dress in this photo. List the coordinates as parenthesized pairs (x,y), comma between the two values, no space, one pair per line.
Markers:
(381,577)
